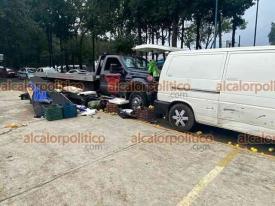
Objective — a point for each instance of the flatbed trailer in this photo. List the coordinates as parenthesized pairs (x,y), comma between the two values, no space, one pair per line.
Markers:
(87,77)
(88,81)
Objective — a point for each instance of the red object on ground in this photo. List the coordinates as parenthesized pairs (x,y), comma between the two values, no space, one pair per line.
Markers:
(111,108)
(113,82)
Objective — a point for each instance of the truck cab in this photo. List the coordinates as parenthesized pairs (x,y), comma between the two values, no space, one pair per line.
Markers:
(127,77)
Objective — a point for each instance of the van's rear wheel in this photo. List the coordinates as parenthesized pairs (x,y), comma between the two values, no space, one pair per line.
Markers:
(181,117)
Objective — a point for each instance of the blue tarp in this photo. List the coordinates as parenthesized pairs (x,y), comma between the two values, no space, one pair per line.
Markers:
(39,95)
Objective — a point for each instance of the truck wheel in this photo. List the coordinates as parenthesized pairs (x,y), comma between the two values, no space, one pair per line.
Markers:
(181,117)
(138,100)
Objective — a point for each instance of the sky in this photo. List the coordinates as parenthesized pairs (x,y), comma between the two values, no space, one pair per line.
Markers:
(266,17)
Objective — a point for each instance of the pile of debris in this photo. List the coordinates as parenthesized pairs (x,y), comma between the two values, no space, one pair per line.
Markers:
(69,101)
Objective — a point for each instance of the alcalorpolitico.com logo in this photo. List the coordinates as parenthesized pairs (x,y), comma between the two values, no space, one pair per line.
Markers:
(22,86)
(78,138)
(241,86)
(172,139)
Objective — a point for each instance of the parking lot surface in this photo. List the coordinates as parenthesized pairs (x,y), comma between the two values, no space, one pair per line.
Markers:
(122,169)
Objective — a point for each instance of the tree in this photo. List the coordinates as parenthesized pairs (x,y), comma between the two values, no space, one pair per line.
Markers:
(79,26)
(21,38)
(57,18)
(72,31)
(99,18)
(202,11)
(271,35)
(235,9)
(178,12)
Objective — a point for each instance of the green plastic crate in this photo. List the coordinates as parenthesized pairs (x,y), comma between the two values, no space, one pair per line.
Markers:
(53,112)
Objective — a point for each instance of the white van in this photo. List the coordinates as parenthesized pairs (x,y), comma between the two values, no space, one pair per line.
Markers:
(231,88)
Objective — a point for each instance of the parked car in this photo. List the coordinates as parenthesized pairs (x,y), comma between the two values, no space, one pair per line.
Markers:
(229,88)
(11,73)
(46,70)
(26,73)
(77,67)
(160,63)
(63,68)
(7,72)
(76,71)
(3,72)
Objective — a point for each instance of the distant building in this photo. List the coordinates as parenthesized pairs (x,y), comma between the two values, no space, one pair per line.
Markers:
(1,57)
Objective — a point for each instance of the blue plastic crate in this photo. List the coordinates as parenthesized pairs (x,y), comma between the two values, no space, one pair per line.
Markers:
(69,111)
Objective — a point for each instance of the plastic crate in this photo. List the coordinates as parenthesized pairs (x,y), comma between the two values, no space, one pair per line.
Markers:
(53,112)
(145,114)
(111,108)
(69,111)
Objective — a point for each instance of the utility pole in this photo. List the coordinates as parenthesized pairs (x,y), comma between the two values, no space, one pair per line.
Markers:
(239,41)
(256,23)
(216,22)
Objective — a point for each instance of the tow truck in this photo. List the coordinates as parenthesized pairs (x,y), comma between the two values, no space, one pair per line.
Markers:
(120,76)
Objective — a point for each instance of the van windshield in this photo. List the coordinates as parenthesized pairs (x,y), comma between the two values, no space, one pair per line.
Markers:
(135,63)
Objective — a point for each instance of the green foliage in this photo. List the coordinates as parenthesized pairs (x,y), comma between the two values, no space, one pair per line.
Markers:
(124,45)
(51,32)
(21,38)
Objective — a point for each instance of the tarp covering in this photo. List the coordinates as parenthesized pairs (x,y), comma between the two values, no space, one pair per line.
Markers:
(39,95)
(156,48)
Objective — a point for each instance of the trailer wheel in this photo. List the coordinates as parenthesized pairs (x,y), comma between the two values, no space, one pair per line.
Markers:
(138,100)
(181,118)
